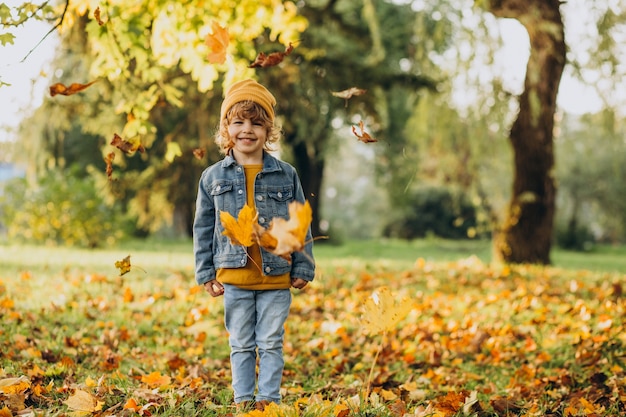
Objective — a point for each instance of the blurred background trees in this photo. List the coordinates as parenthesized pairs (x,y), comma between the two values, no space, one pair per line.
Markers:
(438,100)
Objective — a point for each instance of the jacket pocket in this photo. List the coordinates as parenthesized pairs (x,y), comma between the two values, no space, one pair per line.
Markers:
(279,199)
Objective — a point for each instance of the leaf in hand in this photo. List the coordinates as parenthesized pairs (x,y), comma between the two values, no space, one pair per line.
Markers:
(127,146)
(382,312)
(286,236)
(263,61)
(123,265)
(240,230)
(217,43)
(60,88)
(364,136)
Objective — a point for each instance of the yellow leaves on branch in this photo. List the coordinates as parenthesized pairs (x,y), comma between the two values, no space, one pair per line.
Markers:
(382,311)
(282,238)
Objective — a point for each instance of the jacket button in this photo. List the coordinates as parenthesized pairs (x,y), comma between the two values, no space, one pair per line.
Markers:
(218,188)
(259,197)
(261,219)
(280,195)
(240,192)
(268,269)
(243,261)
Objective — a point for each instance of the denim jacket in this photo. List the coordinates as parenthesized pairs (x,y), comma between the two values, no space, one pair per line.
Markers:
(222,187)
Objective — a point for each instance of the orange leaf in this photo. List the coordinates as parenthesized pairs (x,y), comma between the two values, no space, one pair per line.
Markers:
(275,58)
(286,236)
(218,43)
(239,231)
(127,146)
(96,15)
(131,404)
(109,161)
(199,153)
(156,380)
(83,401)
(14,385)
(60,88)
(364,136)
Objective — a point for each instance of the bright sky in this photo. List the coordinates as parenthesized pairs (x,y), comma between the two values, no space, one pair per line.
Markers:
(29,85)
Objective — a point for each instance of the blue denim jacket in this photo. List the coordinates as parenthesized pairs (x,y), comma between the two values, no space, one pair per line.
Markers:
(222,187)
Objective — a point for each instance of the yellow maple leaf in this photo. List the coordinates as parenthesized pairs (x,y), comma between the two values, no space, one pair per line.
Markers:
(14,385)
(84,402)
(284,237)
(240,230)
(217,41)
(123,265)
(156,380)
(382,312)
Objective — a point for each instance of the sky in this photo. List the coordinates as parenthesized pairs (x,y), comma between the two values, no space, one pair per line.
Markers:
(28,77)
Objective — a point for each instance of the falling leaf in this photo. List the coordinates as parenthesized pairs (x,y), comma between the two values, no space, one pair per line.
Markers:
(217,42)
(239,231)
(74,88)
(127,146)
(109,161)
(349,93)
(123,265)
(83,401)
(172,151)
(199,153)
(286,236)
(275,58)
(364,136)
(382,312)
(96,15)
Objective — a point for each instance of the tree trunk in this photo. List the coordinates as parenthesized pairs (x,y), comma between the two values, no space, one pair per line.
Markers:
(526,234)
(311,170)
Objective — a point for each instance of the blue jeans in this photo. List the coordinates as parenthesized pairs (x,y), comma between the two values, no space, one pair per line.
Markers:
(255,320)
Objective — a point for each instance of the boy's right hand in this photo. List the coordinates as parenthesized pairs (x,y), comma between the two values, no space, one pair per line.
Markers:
(214,287)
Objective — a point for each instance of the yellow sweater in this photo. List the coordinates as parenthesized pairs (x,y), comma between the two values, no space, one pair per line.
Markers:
(251,276)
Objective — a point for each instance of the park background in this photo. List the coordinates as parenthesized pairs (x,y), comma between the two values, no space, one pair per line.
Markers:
(415,212)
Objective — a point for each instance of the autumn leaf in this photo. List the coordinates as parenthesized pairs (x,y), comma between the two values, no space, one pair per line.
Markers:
(96,15)
(284,237)
(217,41)
(156,380)
(382,312)
(14,385)
(74,88)
(84,402)
(109,163)
(349,93)
(123,265)
(363,136)
(127,146)
(240,230)
(263,61)
(199,153)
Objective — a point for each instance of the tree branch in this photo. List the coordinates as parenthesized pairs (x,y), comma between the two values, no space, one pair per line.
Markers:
(55,27)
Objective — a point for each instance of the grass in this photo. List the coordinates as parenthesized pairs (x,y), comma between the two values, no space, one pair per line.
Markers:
(541,338)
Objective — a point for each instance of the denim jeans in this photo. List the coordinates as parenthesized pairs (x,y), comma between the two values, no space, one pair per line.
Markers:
(255,320)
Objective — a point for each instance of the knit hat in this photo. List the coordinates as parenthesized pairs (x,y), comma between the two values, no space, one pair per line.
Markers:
(248,90)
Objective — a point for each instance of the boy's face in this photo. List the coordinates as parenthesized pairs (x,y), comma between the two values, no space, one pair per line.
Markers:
(249,138)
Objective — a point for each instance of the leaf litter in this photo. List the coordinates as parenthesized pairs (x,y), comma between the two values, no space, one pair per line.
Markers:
(460,339)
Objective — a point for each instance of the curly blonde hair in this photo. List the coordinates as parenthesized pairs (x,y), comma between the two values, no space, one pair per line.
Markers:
(246,110)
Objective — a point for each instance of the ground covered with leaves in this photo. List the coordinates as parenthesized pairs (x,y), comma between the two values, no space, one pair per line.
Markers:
(475,341)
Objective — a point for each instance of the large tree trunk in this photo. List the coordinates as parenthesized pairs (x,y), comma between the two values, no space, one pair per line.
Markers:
(526,234)
(311,172)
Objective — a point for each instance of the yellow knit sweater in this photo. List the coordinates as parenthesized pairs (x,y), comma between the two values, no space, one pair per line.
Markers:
(251,276)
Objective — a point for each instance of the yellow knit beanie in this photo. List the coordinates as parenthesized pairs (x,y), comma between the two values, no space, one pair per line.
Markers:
(248,90)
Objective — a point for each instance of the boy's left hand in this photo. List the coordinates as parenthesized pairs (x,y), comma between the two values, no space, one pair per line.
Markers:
(298,283)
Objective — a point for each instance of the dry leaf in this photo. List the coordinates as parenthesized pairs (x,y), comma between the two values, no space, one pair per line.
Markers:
(199,153)
(284,237)
(96,15)
(14,385)
(275,58)
(364,136)
(74,88)
(156,380)
(127,146)
(109,161)
(240,230)
(217,42)
(382,312)
(83,401)
(349,93)
(123,265)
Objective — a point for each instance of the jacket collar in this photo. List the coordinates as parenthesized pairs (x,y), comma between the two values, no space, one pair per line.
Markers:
(270,163)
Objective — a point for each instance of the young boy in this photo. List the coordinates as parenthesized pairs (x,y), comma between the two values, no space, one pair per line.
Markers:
(255,283)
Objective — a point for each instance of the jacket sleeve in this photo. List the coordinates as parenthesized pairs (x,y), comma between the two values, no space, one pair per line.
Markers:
(203,230)
(302,263)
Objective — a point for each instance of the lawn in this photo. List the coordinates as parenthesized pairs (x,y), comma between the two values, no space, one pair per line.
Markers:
(473,339)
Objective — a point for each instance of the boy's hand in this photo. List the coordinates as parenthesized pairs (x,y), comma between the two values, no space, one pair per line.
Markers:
(214,287)
(298,283)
